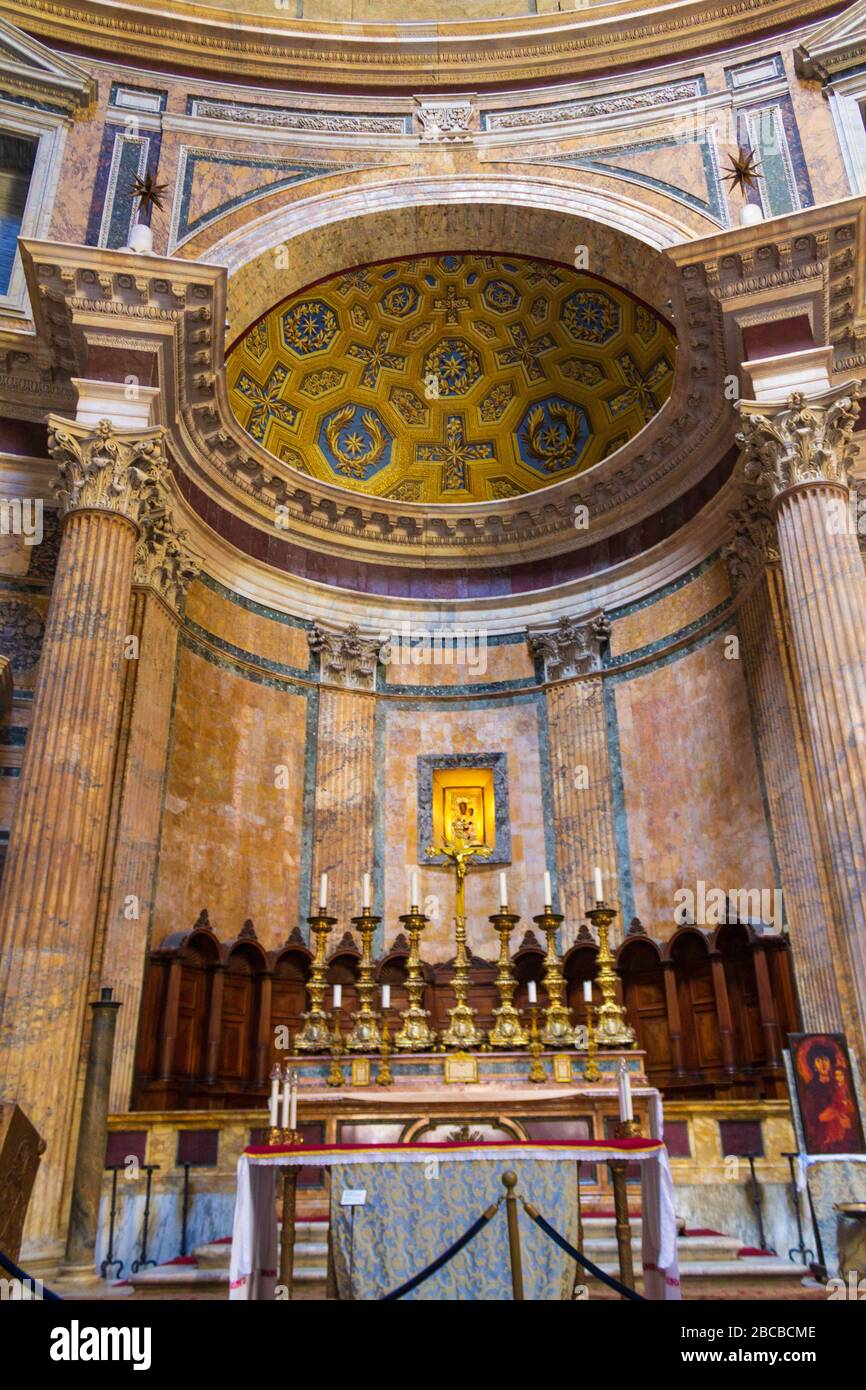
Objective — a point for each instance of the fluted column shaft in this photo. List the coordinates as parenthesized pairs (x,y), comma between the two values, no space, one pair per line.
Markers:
(797,455)
(818,946)
(826,589)
(49,893)
(582,797)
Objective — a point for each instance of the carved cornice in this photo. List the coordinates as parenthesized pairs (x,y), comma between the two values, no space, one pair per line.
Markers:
(814,259)
(485,51)
(346,658)
(178,307)
(571,648)
(753,544)
(107,470)
(806,441)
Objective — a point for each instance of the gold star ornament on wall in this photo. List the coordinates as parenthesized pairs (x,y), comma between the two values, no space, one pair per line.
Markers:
(742,172)
(148,192)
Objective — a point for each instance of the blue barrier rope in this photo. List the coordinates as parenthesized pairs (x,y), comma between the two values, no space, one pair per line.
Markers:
(447,1255)
(581,1259)
(17,1273)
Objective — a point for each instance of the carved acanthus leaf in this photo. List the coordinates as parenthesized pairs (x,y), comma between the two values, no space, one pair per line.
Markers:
(164,561)
(346,658)
(753,544)
(106,469)
(571,648)
(809,441)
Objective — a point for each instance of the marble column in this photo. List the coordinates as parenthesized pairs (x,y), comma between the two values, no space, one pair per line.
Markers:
(818,946)
(579,765)
(92,1134)
(344,844)
(48,901)
(164,567)
(797,456)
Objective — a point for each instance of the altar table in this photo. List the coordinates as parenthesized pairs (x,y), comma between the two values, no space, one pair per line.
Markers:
(403,1230)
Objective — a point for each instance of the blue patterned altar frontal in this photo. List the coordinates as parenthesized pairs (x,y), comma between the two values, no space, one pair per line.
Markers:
(415,1211)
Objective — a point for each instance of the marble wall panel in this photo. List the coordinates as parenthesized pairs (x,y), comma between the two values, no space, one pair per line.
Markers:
(233,840)
(245,628)
(515,728)
(693,807)
(677,609)
(479,665)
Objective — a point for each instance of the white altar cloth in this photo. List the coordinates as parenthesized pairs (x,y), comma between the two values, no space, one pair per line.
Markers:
(254,1256)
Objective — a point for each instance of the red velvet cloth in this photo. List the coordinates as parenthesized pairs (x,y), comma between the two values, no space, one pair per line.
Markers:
(494,1145)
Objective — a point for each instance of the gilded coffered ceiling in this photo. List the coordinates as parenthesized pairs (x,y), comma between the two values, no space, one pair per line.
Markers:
(451,378)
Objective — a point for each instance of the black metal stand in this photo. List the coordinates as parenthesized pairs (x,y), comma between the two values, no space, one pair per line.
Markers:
(109,1262)
(150,1169)
(185,1208)
(800,1251)
(756,1203)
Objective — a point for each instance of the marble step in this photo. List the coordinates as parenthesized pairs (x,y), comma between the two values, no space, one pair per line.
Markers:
(689,1248)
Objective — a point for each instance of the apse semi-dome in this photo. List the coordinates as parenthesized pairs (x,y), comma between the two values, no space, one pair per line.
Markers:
(452,378)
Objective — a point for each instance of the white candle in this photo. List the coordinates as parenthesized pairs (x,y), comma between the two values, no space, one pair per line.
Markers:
(599,891)
(532,992)
(548,892)
(503,891)
(338,996)
(587,991)
(414,901)
(275,1096)
(323,892)
(366,892)
(386,996)
(293,1101)
(285,1119)
(624,1085)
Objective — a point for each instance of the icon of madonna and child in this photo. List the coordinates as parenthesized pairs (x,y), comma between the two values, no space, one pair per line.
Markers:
(826,1094)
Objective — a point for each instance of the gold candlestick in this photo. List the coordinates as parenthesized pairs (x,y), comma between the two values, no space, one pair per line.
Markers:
(591,1071)
(613,1030)
(507,1031)
(315,1036)
(558,1030)
(536,1070)
(461,1031)
(384,1076)
(415,1035)
(364,1036)
(335,1075)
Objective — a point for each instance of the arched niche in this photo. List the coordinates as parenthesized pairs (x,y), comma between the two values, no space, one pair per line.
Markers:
(239,1015)
(643,989)
(688,949)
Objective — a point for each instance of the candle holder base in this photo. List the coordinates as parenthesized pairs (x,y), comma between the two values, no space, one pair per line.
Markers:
(315,1036)
(627,1129)
(461,1031)
(291,1136)
(275,1136)
(508,1031)
(415,1035)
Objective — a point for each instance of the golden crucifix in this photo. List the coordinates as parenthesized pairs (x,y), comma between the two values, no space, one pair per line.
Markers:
(461,1031)
(460,853)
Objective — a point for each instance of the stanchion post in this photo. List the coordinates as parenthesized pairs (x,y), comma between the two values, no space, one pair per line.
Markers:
(618,1168)
(578,1272)
(331,1290)
(287,1232)
(510,1182)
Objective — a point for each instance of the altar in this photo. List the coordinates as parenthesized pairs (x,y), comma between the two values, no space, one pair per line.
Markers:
(397,1210)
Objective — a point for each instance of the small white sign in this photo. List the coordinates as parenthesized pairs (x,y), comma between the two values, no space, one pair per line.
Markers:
(354,1197)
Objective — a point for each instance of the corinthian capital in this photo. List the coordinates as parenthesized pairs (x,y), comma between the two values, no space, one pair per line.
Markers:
(106,469)
(753,543)
(163,559)
(807,441)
